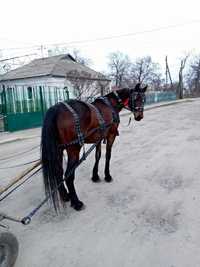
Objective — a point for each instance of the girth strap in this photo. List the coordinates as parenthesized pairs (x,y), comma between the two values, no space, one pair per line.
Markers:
(114,113)
(80,135)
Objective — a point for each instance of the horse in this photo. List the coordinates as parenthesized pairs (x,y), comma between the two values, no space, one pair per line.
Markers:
(68,126)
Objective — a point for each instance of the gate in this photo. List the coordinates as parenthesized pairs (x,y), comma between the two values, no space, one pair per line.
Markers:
(1,111)
(23,107)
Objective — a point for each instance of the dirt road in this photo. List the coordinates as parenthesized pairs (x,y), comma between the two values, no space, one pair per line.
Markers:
(148,217)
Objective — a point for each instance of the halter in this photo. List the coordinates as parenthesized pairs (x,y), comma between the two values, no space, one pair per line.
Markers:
(131,102)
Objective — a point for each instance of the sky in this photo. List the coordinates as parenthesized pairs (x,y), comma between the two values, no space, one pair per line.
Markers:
(155,28)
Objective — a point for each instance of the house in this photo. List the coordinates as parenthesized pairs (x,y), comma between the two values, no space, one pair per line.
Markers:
(28,91)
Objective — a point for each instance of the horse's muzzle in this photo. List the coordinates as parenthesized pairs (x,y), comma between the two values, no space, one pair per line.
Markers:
(138,116)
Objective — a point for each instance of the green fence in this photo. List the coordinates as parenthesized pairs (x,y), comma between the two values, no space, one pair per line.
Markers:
(23,107)
(154,97)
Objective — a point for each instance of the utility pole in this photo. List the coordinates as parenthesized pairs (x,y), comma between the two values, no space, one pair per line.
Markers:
(168,74)
(180,82)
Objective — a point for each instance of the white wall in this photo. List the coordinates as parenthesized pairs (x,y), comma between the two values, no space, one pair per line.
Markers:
(41,81)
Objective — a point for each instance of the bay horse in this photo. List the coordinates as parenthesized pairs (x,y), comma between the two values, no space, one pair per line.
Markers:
(78,120)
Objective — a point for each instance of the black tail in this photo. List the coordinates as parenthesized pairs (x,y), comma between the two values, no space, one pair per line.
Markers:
(51,155)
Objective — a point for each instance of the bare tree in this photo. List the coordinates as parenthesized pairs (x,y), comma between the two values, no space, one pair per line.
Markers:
(168,74)
(81,59)
(118,65)
(144,70)
(85,86)
(180,77)
(193,76)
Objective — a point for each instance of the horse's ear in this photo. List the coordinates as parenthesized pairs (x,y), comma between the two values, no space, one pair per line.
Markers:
(144,89)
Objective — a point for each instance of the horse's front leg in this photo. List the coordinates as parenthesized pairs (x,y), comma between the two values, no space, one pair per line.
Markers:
(95,176)
(110,141)
(73,158)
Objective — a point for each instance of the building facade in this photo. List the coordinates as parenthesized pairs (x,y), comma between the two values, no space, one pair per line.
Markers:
(27,92)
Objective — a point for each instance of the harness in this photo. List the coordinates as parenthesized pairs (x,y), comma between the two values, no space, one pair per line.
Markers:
(80,136)
(107,103)
(102,125)
(120,103)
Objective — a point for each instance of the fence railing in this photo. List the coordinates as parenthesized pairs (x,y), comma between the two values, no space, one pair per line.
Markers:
(30,99)
(154,97)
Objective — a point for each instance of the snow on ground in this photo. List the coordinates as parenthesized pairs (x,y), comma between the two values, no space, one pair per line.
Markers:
(148,217)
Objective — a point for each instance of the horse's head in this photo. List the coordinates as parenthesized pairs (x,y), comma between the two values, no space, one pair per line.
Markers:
(136,101)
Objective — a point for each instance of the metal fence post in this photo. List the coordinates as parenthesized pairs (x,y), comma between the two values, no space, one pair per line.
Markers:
(4,102)
(41,101)
(4,108)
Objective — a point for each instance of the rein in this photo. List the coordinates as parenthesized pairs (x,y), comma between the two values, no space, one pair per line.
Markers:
(27,219)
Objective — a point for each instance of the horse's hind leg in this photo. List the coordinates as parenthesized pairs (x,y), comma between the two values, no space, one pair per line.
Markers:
(110,141)
(73,157)
(64,196)
(95,176)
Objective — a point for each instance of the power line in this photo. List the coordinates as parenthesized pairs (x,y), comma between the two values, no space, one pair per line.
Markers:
(111,36)
(130,34)
(7,59)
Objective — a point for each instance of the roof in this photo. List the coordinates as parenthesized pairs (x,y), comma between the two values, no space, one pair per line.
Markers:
(55,66)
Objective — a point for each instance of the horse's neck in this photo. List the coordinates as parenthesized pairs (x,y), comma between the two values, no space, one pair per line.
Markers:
(113,101)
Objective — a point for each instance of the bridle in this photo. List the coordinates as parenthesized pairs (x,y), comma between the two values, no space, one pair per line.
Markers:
(132,105)
(133,101)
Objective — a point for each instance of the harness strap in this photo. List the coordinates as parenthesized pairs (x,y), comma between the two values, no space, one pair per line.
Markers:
(118,99)
(80,135)
(102,124)
(121,103)
(114,113)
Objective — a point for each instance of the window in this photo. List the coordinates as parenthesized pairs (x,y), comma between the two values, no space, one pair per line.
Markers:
(30,93)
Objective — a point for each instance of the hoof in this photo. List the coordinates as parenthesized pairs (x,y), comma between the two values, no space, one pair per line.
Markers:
(96,179)
(78,205)
(108,179)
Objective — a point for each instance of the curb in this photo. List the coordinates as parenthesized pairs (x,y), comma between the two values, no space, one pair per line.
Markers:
(14,139)
(165,104)
(169,104)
